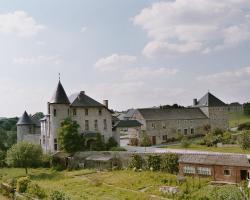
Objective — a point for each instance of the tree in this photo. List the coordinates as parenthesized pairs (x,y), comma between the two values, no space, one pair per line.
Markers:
(111,143)
(3,140)
(169,163)
(99,144)
(145,141)
(246,108)
(245,140)
(24,155)
(69,139)
(185,142)
(2,158)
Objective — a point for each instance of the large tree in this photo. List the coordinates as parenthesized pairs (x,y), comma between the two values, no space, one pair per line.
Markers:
(24,154)
(69,139)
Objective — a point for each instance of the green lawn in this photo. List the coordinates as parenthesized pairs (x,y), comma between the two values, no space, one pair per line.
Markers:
(236,149)
(237,118)
(113,185)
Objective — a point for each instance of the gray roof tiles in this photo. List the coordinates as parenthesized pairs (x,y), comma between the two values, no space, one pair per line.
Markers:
(60,96)
(82,100)
(25,120)
(128,124)
(219,159)
(210,100)
(172,114)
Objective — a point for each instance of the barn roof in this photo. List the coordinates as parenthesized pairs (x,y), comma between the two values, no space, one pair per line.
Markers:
(171,113)
(218,159)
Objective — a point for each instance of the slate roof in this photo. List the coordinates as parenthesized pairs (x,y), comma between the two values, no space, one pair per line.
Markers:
(165,114)
(219,159)
(60,96)
(128,124)
(25,120)
(82,100)
(210,100)
(235,104)
(129,113)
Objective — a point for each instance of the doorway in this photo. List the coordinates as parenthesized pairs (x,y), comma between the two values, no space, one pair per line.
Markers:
(153,140)
(243,175)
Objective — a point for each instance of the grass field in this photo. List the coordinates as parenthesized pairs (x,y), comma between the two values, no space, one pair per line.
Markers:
(197,147)
(237,118)
(114,185)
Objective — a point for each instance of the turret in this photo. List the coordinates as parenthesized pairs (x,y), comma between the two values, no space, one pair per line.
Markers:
(25,125)
(58,109)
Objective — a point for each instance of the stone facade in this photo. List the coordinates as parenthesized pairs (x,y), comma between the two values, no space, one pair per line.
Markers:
(88,113)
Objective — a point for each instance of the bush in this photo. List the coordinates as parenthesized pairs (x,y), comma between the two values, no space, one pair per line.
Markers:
(57,195)
(185,143)
(136,162)
(46,161)
(111,143)
(22,184)
(154,162)
(36,191)
(2,158)
(118,149)
(169,163)
(245,140)
(244,126)
(227,138)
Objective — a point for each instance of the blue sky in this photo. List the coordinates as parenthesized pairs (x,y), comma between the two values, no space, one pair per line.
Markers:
(134,53)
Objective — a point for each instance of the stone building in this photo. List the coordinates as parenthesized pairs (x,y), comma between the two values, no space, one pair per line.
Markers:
(162,125)
(235,107)
(92,116)
(28,129)
(221,168)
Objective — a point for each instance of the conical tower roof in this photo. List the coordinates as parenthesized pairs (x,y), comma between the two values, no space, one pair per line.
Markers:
(210,100)
(60,96)
(25,119)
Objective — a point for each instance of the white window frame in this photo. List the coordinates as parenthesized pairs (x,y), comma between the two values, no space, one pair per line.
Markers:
(189,170)
(204,171)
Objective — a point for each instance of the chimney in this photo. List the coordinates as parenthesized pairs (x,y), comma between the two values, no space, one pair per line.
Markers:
(195,102)
(106,103)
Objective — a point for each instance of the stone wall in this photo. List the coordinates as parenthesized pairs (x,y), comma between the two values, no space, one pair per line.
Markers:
(219,117)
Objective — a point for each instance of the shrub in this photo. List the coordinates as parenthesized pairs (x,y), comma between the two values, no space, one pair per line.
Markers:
(2,158)
(244,126)
(169,163)
(136,162)
(245,140)
(46,160)
(58,195)
(36,191)
(227,138)
(118,149)
(22,184)
(185,143)
(111,143)
(154,162)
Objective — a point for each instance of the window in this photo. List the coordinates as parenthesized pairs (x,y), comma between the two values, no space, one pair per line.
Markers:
(185,131)
(86,125)
(54,112)
(204,171)
(96,125)
(55,144)
(179,131)
(105,124)
(153,125)
(227,172)
(74,112)
(164,126)
(100,111)
(164,137)
(86,112)
(43,139)
(188,170)
(192,131)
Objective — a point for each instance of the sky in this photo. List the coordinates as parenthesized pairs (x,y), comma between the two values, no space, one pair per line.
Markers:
(139,53)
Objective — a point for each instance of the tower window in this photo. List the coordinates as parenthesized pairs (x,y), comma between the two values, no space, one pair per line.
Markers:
(86,125)
(55,144)
(96,125)
(54,112)
(105,124)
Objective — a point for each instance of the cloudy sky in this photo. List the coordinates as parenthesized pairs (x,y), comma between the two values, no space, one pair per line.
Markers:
(134,53)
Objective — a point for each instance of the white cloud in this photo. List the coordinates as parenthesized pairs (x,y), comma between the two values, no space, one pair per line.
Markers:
(141,73)
(38,60)
(40,43)
(19,23)
(83,29)
(114,62)
(194,25)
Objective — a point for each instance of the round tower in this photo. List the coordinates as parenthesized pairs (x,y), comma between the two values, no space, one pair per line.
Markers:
(25,125)
(58,109)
